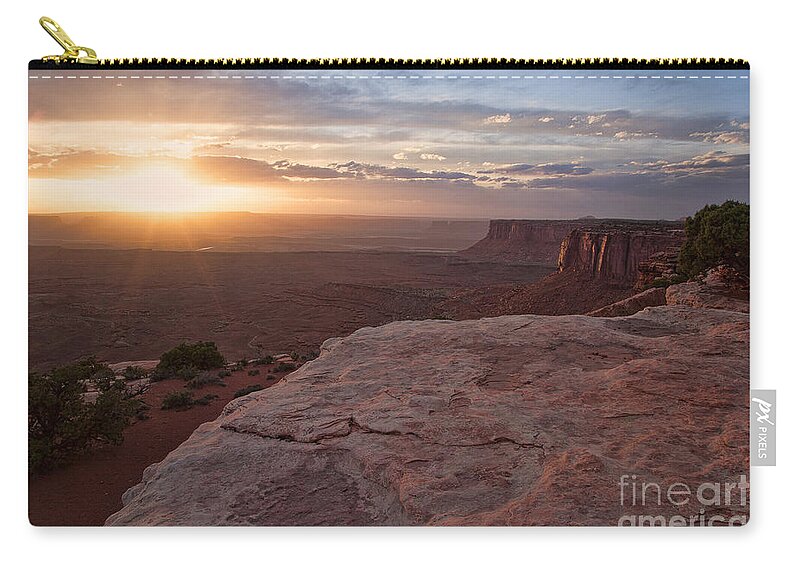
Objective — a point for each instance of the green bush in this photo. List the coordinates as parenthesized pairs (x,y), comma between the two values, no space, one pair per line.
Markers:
(264,360)
(667,281)
(205,400)
(248,390)
(160,374)
(134,373)
(185,358)
(186,372)
(184,400)
(254,372)
(61,423)
(285,367)
(140,410)
(177,400)
(205,379)
(304,357)
(717,235)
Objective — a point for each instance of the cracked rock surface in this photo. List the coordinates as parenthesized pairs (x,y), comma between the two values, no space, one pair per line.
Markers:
(515,420)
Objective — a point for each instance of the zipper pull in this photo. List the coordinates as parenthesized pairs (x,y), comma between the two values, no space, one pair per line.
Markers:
(72,52)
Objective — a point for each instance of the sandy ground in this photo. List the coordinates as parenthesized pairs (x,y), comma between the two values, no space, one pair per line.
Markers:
(87,491)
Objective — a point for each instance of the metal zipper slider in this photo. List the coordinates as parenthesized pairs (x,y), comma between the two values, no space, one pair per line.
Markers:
(72,53)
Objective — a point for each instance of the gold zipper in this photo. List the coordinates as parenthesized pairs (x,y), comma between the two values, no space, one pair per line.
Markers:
(72,53)
(80,56)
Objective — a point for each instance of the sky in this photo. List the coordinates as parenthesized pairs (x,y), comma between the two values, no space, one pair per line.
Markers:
(460,144)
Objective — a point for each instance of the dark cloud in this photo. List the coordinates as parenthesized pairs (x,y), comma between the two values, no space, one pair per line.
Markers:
(714,176)
(248,171)
(713,162)
(363,170)
(239,170)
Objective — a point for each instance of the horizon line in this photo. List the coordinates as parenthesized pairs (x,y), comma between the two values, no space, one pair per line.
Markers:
(316,214)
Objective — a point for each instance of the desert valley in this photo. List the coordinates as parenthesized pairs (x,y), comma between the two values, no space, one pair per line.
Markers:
(480,386)
(135,303)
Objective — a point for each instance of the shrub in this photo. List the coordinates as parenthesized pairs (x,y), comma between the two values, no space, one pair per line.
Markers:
(254,372)
(264,360)
(205,379)
(177,400)
(186,372)
(185,357)
(205,400)
(248,390)
(61,423)
(141,410)
(270,377)
(160,374)
(134,373)
(285,367)
(667,281)
(223,373)
(243,363)
(717,235)
(305,357)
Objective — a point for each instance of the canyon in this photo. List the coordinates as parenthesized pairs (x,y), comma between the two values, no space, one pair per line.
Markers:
(137,303)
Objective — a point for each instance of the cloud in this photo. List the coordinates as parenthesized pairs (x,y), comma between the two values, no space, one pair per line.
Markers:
(729,132)
(546,119)
(722,137)
(398,173)
(74,164)
(713,162)
(400,156)
(432,156)
(716,159)
(627,135)
(248,171)
(546,169)
(498,119)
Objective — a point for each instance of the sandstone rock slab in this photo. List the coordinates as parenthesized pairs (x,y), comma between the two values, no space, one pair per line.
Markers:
(710,293)
(515,420)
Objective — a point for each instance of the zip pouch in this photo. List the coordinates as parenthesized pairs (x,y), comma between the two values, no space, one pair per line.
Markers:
(381,292)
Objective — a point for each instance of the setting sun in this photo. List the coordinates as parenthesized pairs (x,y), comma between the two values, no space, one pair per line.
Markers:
(157,188)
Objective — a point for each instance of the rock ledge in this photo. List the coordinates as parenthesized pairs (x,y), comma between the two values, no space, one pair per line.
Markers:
(516,420)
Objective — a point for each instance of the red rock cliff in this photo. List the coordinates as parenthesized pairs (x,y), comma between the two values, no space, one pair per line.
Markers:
(613,254)
(523,241)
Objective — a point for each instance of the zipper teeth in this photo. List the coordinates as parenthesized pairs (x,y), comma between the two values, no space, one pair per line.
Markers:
(391,63)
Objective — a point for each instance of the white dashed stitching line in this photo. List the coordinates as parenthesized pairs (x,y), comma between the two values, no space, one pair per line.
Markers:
(388,77)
